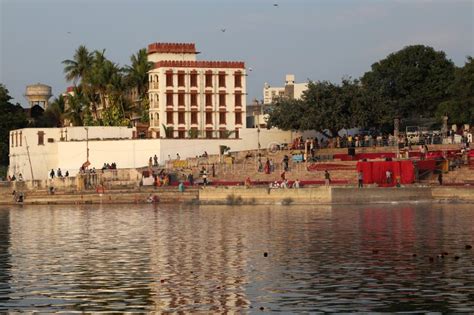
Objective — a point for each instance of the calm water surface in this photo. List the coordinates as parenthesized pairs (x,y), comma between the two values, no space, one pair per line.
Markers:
(211,258)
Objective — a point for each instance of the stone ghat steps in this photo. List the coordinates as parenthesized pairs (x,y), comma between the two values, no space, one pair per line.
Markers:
(169,190)
(350,176)
(165,196)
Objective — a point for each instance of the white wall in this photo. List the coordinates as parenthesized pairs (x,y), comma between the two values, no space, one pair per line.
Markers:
(70,155)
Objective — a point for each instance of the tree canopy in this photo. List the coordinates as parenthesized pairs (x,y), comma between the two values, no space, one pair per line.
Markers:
(12,116)
(102,95)
(460,107)
(414,83)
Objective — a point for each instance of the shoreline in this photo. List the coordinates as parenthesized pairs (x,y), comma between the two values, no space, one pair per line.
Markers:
(240,195)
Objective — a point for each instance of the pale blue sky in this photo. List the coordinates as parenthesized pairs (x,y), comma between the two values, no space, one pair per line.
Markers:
(319,40)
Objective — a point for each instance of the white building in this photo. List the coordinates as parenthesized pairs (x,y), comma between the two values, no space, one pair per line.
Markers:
(291,90)
(194,99)
(35,151)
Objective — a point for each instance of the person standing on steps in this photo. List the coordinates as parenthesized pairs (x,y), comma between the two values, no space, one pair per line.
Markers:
(327,178)
(360,178)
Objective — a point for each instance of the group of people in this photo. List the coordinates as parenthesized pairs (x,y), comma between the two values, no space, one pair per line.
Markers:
(285,184)
(13,178)
(153,161)
(161,179)
(18,196)
(347,141)
(58,173)
(269,166)
(107,166)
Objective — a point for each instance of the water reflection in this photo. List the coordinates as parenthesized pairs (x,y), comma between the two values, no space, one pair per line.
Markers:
(4,256)
(210,259)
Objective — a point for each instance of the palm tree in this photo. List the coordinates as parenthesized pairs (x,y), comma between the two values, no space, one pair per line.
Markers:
(57,110)
(78,68)
(103,70)
(76,104)
(137,73)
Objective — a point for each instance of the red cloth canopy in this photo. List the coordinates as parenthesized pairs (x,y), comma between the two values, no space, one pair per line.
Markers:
(375,172)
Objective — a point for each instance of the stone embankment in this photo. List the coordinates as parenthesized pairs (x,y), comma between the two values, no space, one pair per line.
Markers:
(240,195)
(334,195)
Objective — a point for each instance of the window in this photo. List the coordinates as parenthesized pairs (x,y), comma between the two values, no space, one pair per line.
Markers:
(181,79)
(181,99)
(209,134)
(194,99)
(16,139)
(181,118)
(238,100)
(238,79)
(237,133)
(169,79)
(194,80)
(21,138)
(181,134)
(169,117)
(221,79)
(222,118)
(209,118)
(238,118)
(223,134)
(222,99)
(40,138)
(194,117)
(12,140)
(208,99)
(169,99)
(208,79)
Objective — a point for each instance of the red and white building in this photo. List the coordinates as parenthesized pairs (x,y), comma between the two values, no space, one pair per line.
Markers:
(194,98)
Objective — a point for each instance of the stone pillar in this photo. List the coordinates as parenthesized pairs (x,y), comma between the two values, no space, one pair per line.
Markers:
(396,127)
(444,129)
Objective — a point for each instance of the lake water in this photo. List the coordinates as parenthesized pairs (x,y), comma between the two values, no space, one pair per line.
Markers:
(211,258)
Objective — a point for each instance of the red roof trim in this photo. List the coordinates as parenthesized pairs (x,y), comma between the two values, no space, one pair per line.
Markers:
(174,48)
(200,64)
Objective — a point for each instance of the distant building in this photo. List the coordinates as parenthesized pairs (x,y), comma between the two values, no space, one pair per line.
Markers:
(257,113)
(194,99)
(291,90)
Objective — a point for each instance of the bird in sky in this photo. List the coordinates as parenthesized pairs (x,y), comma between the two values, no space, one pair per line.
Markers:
(275,4)
(69,32)
(223,30)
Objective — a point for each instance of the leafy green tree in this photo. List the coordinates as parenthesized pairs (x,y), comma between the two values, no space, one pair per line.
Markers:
(113,116)
(327,108)
(411,82)
(12,116)
(460,108)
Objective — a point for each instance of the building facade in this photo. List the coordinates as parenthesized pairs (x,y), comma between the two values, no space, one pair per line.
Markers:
(291,90)
(190,98)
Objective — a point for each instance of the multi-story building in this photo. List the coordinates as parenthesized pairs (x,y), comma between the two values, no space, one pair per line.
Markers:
(291,90)
(190,98)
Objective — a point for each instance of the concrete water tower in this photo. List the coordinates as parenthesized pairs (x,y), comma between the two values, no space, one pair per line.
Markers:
(38,94)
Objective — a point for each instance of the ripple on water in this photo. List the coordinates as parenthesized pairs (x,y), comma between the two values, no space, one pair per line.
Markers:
(210,259)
